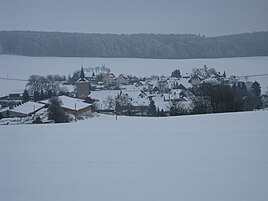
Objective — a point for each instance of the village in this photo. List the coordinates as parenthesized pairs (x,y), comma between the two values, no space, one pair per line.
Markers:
(92,91)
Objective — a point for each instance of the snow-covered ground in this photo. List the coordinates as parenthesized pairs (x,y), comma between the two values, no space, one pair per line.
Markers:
(202,157)
(22,67)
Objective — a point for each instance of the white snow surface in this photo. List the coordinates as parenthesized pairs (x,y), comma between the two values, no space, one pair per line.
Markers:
(202,157)
(22,67)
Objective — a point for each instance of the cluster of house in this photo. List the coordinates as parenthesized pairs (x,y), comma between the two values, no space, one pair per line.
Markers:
(205,75)
(164,91)
(136,94)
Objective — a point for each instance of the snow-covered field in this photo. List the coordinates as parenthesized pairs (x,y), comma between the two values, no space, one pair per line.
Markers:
(21,67)
(203,157)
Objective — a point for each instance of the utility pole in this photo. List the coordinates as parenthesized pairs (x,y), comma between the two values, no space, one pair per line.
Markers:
(75,112)
(33,111)
(116,109)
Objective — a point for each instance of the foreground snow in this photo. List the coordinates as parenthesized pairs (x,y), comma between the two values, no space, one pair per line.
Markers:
(206,157)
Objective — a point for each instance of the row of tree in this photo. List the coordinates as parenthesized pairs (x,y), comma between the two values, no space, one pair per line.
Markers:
(221,98)
(38,83)
(43,87)
(177,46)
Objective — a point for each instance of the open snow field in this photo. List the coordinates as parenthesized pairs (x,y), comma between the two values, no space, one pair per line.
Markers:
(217,157)
(22,67)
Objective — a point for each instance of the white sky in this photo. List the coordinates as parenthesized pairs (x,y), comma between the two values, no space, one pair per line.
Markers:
(209,17)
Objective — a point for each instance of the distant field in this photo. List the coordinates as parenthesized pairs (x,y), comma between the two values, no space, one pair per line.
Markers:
(21,67)
(202,157)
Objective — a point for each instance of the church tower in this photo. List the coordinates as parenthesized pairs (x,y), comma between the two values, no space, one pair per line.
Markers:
(82,86)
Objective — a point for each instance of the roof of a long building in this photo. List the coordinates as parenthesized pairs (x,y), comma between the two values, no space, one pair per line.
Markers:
(70,103)
(25,108)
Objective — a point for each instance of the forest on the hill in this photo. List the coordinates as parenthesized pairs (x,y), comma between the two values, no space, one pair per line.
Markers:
(162,46)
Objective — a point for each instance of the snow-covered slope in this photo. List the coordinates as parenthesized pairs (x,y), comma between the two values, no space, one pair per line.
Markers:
(208,157)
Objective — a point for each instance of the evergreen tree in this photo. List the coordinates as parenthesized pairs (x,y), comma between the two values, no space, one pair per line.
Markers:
(256,95)
(256,89)
(55,112)
(36,96)
(162,113)
(25,96)
(176,73)
(42,95)
(49,94)
(158,112)
(224,74)
(152,108)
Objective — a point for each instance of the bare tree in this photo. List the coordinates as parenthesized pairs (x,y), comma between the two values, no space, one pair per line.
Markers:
(109,102)
(36,83)
(123,99)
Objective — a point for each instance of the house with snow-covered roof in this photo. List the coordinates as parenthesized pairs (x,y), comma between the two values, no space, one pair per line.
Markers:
(74,106)
(202,72)
(109,79)
(210,80)
(122,79)
(233,79)
(196,80)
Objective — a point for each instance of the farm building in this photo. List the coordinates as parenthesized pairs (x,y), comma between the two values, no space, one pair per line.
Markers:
(22,109)
(74,106)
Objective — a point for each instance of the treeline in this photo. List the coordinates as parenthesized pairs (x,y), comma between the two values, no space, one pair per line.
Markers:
(168,46)
(224,98)
(221,98)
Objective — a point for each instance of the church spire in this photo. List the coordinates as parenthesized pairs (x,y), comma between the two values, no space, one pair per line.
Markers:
(82,74)
(82,77)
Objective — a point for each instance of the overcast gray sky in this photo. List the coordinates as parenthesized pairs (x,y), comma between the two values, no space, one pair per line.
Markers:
(209,17)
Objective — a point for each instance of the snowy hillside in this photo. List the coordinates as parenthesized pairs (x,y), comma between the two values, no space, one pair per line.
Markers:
(203,157)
